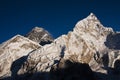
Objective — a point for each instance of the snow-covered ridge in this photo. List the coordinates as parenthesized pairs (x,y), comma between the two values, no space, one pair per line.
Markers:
(83,42)
(89,42)
(13,49)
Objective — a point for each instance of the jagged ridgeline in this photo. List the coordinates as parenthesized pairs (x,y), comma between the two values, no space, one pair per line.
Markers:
(89,52)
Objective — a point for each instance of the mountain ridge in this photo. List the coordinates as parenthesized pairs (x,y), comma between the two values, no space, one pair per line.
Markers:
(89,43)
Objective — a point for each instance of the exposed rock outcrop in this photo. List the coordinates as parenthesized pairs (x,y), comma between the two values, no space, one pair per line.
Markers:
(40,36)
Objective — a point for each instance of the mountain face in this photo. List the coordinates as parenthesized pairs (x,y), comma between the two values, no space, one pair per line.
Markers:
(89,52)
(40,36)
(12,50)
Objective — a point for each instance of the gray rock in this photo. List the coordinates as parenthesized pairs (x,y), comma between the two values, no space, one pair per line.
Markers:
(40,36)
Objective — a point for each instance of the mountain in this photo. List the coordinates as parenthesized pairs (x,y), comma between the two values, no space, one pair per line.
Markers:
(40,36)
(13,49)
(89,52)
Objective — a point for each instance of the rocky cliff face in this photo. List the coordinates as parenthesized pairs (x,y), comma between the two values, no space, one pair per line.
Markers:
(40,36)
(89,43)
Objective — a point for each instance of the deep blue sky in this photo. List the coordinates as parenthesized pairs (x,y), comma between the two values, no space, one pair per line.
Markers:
(56,16)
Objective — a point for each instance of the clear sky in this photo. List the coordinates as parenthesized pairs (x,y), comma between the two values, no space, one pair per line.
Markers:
(56,16)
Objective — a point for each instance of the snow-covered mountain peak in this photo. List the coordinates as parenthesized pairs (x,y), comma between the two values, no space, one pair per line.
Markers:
(89,42)
(92,16)
(80,45)
(91,24)
(37,29)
